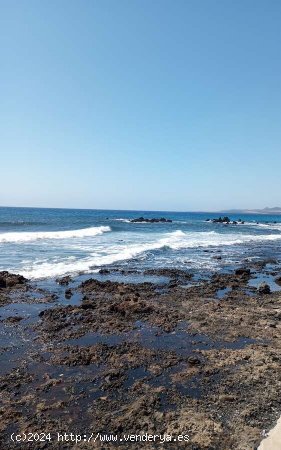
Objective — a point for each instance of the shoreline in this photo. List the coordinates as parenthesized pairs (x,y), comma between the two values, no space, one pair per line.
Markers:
(180,353)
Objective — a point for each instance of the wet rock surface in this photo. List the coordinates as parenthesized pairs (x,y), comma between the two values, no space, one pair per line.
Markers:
(8,284)
(9,280)
(64,280)
(117,357)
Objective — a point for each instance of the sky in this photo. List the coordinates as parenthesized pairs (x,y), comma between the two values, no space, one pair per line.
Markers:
(140,104)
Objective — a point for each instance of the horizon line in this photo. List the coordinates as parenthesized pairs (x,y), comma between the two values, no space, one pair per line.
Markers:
(233,210)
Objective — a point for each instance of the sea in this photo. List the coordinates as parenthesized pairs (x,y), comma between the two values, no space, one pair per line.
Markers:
(41,243)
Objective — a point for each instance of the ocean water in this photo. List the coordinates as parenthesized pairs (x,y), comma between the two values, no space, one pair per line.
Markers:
(40,243)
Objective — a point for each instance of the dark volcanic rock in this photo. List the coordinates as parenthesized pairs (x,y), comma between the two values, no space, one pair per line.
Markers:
(131,305)
(225,220)
(264,289)
(64,280)
(10,280)
(68,293)
(153,220)
(13,319)
(169,272)
(242,271)
(88,305)
(104,271)
(193,360)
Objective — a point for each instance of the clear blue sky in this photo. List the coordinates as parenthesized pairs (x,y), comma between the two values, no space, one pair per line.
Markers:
(140,104)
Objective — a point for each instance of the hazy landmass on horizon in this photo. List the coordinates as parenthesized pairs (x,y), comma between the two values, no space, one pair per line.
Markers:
(274,210)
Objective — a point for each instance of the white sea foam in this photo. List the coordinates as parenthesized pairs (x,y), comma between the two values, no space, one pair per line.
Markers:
(212,238)
(270,226)
(112,251)
(123,220)
(265,226)
(29,236)
(129,221)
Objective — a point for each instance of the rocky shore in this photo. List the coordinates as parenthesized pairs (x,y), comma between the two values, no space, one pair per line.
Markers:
(184,355)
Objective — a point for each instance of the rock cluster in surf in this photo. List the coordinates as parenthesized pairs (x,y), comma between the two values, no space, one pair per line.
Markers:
(225,220)
(153,220)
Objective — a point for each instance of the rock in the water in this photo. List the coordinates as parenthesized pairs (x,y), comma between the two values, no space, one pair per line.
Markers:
(264,288)
(64,280)
(13,319)
(153,220)
(225,220)
(104,271)
(68,293)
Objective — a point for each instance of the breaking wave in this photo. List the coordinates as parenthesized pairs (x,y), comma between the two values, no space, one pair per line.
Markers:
(270,226)
(123,220)
(212,238)
(112,252)
(29,236)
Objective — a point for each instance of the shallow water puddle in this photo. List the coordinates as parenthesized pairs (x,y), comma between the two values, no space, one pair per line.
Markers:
(28,311)
(135,278)
(180,340)
(264,278)
(221,293)
(133,375)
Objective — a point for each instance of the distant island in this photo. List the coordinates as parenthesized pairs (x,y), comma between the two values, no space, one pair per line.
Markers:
(275,210)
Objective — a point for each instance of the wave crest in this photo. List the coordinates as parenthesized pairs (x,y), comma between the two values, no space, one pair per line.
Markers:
(41,235)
